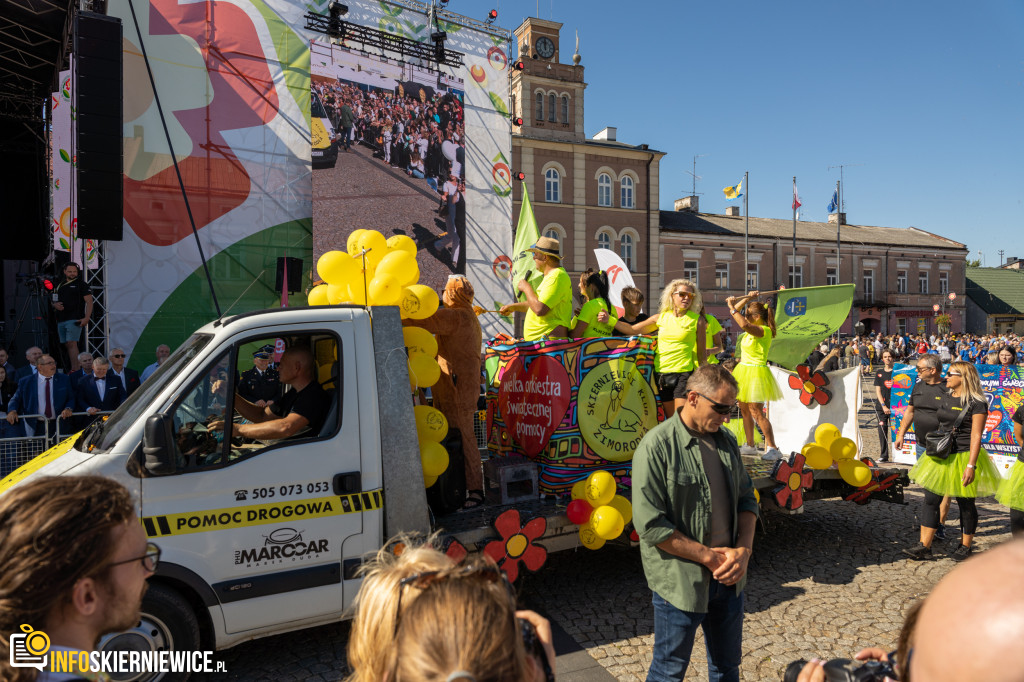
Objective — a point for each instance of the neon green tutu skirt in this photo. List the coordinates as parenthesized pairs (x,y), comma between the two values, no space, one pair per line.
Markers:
(1011,493)
(736,427)
(943,476)
(757,385)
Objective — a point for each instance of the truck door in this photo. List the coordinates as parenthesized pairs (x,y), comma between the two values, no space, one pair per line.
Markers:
(258,517)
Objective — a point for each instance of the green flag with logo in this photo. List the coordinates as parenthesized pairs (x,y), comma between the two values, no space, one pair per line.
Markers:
(526,236)
(804,317)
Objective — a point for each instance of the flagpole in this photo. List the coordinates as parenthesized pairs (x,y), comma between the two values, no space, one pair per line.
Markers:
(794,225)
(839,243)
(746,233)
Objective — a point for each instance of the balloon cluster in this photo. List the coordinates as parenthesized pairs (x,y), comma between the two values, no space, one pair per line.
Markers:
(597,510)
(431,428)
(830,446)
(374,271)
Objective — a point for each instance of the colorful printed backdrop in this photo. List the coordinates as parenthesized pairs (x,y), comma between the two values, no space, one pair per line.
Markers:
(1004,390)
(572,406)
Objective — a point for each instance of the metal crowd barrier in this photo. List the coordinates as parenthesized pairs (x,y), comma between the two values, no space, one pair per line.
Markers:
(19,450)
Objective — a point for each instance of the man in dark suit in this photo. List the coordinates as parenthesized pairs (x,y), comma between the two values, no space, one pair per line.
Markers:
(129,377)
(101,391)
(84,369)
(6,364)
(32,355)
(47,393)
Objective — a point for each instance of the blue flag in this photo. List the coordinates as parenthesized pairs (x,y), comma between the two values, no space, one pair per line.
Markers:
(834,204)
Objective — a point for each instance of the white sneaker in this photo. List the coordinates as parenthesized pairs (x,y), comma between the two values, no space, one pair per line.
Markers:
(772,454)
(747,450)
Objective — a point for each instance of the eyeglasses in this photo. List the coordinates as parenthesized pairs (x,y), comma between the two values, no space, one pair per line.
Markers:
(150,560)
(117,355)
(683,294)
(425,579)
(924,369)
(720,408)
(953,374)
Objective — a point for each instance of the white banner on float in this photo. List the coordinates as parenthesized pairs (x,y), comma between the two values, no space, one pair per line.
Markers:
(794,423)
(618,275)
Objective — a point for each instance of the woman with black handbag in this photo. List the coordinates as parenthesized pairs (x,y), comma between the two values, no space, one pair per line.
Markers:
(954,463)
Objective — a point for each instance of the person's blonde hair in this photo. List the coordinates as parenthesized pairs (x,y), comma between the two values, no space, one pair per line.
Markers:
(462,622)
(372,636)
(970,382)
(666,296)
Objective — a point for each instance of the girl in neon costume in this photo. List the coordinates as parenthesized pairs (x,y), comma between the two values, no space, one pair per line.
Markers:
(757,385)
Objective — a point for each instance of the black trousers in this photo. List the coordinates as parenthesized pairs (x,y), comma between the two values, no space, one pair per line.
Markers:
(1017,523)
(968,512)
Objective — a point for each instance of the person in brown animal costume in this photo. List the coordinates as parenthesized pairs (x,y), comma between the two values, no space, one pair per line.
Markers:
(459,340)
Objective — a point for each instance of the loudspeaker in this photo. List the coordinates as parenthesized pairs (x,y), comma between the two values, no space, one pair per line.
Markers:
(24,220)
(294,274)
(98,92)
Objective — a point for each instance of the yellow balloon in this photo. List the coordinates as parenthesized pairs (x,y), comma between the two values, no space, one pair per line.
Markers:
(433,457)
(579,490)
(423,371)
(842,448)
(401,266)
(430,423)
(600,488)
(623,506)
(419,301)
(804,449)
(318,295)
(428,481)
(376,245)
(419,340)
(385,290)
(353,240)
(589,537)
(855,472)
(356,293)
(401,242)
(825,434)
(757,496)
(817,457)
(336,267)
(337,293)
(607,522)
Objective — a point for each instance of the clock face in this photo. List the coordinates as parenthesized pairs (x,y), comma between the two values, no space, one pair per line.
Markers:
(545,47)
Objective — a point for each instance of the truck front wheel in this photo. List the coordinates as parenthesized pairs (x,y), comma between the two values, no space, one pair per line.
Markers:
(167,624)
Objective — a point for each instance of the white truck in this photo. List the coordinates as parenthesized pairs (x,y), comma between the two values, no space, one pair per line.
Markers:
(262,538)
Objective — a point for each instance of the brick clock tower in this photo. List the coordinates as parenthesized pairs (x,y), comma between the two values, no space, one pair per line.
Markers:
(546,93)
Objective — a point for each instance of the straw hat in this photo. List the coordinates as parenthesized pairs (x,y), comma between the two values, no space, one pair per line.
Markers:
(546,246)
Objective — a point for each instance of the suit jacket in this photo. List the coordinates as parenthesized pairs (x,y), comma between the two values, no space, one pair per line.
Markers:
(23,372)
(89,396)
(76,377)
(131,378)
(26,399)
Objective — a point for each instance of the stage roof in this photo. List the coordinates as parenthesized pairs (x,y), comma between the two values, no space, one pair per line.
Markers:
(33,43)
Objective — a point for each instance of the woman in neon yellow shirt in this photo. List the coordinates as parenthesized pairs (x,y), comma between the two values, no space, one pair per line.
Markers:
(586,323)
(682,344)
(757,385)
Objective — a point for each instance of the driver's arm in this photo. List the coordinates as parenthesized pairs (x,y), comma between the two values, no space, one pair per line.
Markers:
(253,413)
(272,429)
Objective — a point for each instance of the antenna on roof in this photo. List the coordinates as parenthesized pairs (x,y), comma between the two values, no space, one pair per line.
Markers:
(696,177)
(842,188)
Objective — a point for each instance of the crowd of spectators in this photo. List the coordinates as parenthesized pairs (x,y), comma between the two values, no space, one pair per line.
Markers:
(987,349)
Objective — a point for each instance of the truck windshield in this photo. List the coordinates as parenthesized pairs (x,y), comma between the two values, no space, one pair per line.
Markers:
(317,108)
(139,401)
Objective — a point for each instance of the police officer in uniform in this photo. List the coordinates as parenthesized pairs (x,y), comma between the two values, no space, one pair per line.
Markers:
(260,385)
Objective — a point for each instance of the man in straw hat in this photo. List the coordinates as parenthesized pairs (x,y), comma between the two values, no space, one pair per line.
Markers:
(549,308)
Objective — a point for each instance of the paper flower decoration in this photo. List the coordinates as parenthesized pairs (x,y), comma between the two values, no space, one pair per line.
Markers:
(790,473)
(863,494)
(517,544)
(811,386)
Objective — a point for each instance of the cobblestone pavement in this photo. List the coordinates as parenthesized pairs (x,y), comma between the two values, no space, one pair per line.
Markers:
(823,583)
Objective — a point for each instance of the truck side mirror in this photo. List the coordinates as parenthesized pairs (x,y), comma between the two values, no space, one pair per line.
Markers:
(158,445)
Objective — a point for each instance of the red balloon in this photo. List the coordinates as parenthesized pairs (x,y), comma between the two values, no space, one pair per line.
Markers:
(579,511)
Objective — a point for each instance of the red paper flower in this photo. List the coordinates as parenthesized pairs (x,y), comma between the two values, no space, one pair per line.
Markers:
(790,473)
(810,384)
(517,544)
(455,550)
(863,494)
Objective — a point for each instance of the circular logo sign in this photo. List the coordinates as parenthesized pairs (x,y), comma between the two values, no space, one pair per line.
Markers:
(616,407)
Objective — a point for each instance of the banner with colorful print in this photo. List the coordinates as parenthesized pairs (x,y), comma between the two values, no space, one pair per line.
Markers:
(63,157)
(574,406)
(1004,391)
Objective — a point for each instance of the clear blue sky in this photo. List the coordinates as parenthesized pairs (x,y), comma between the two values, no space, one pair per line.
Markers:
(927,97)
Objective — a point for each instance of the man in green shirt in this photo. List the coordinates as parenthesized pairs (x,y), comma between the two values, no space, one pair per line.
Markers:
(548,308)
(694,509)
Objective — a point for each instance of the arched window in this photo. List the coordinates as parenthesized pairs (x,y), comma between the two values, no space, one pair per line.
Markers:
(604,241)
(551,108)
(554,233)
(552,186)
(626,250)
(604,190)
(626,192)
(539,114)
(565,108)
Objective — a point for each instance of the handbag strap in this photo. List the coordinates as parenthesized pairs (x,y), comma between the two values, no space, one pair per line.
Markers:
(962,415)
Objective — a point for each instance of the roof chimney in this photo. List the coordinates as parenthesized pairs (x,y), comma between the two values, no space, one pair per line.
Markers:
(687,204)
(839,218)
(732,211)
(608,134)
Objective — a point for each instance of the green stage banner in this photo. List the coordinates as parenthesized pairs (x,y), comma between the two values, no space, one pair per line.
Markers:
(806,316)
